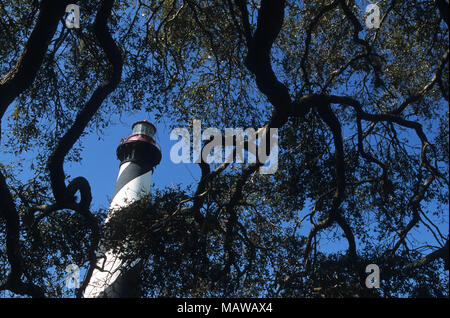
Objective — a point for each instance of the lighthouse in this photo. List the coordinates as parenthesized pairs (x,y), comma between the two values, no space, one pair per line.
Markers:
(138,154)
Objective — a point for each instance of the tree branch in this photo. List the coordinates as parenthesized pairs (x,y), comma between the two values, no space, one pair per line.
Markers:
(56,160)
(443,253)
(9,213)
(22,75)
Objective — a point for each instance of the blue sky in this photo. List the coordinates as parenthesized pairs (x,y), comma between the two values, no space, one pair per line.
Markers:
(100,165)
(101,170)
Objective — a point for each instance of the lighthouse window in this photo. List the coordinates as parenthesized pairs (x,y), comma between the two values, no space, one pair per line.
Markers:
(144,128)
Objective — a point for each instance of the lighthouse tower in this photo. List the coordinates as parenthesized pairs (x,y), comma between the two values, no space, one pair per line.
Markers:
(138,155)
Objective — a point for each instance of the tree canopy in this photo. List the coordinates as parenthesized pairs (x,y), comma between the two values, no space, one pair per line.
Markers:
(362,116)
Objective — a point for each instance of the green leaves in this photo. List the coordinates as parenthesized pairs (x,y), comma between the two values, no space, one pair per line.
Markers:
(186,59)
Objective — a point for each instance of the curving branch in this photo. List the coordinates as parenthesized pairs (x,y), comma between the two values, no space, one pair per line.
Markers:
(9,213)
(24,72)
(65,195)
(12,84)
(441,253)
(436,78)
(414,204)
(56,160)
(311,28)
(357,27)
(230,210)
(330,119)
(270,20)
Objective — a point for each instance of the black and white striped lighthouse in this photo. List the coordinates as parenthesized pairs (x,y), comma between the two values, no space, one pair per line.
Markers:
(138,155)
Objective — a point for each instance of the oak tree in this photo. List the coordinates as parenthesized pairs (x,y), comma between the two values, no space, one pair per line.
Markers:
(362,115)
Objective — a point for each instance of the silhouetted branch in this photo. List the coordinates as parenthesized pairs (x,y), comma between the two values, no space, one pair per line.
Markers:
(56,160)
(442,252)
(443,9)
(9,213)
(22,75)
